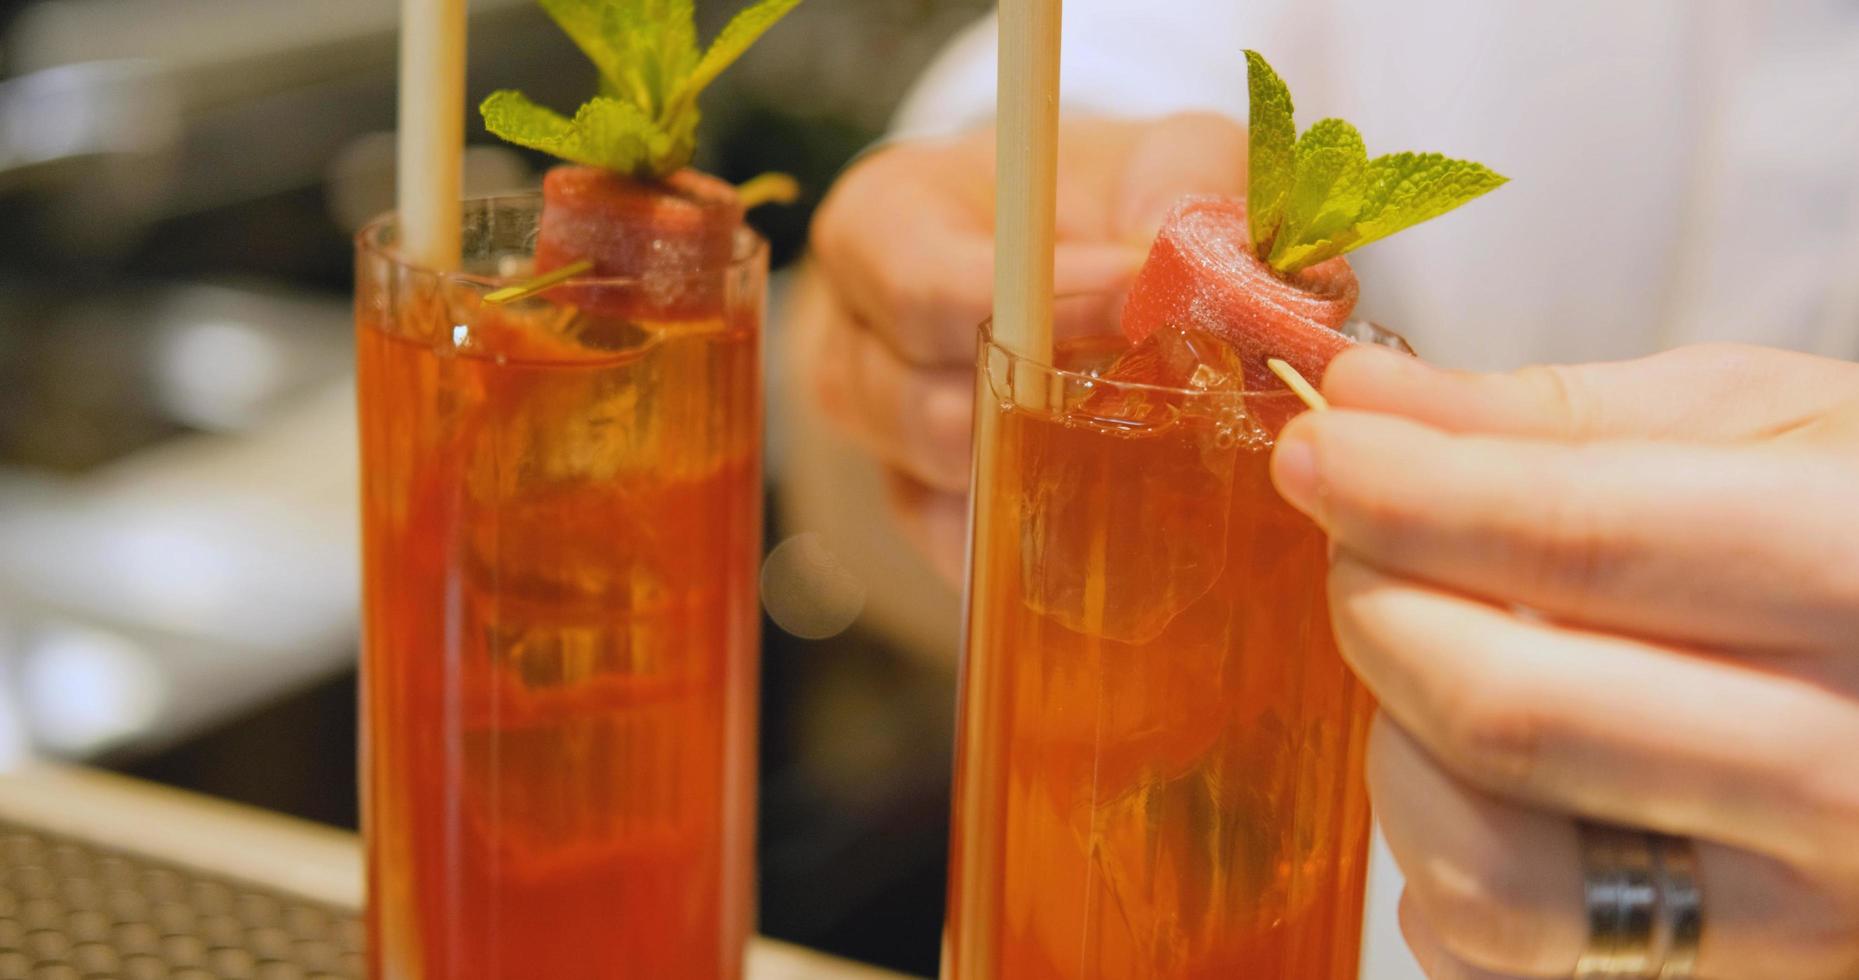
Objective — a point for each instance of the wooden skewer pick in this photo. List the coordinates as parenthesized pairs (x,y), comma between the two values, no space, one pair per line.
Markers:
(768,188)
(527,288)
(1295,381)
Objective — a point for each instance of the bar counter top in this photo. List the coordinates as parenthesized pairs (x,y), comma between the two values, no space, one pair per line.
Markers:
(127,835)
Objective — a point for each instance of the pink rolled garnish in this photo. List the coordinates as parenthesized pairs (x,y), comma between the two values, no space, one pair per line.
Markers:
(1201,274)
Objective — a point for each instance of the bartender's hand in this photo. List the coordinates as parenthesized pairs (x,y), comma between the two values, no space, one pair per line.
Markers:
(902,274)
(1684,533)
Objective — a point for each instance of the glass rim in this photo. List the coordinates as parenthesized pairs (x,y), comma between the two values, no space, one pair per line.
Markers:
(986,329)
(371,239)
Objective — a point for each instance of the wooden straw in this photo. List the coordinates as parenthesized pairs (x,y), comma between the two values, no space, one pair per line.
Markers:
(431,130)
(1296,382)
(1026,176)
(1025,202)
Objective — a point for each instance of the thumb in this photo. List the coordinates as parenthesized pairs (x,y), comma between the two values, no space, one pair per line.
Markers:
(1190,153)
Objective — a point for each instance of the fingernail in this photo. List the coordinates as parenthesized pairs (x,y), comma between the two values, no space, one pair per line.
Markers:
(1383,358)
(1364,374)
(1294,469)
(1377,360)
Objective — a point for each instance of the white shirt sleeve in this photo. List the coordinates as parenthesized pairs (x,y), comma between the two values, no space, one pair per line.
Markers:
(1119,58)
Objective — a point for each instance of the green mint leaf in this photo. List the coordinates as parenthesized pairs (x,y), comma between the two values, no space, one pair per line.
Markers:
(643,49)
(1298,257)
(1271,151)
(1317,196)
(1328,187)
(678,47)
(1401,190)
(657,40)
(1408,188)
(586,24)
(742,31)
(644,120)
(610,133)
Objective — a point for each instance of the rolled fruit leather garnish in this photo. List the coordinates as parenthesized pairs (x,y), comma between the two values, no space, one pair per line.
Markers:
(1201,274)
(1266,274)
(653,236)
(627,200)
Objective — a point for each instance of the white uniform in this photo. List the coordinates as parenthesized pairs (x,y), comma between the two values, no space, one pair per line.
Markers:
(1682,170)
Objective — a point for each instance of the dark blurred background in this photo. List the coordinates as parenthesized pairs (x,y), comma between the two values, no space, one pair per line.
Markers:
(179,180)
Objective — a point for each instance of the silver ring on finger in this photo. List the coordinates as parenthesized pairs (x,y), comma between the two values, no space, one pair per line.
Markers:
(1645,912)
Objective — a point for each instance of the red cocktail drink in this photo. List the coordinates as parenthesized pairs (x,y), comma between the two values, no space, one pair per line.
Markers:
(561,524)
(1159,764)
(1159,774)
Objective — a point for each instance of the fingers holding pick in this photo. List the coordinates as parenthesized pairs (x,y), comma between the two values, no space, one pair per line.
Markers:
(1700,393)
(1607,534)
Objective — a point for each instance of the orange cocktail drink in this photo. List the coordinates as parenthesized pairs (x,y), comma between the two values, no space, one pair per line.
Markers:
(561,523)
(1159,772)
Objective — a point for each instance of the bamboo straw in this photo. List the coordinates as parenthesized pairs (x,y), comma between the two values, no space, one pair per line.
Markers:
(1026,176)
(1025,202)
(431,130)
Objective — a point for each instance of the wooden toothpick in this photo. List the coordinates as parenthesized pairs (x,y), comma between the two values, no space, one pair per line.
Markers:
(1295,381)
(522,290)
(768,188)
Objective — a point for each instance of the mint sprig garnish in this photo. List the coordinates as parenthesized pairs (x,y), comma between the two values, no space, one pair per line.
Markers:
(1313,197)
(1271,150)
(644,121)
